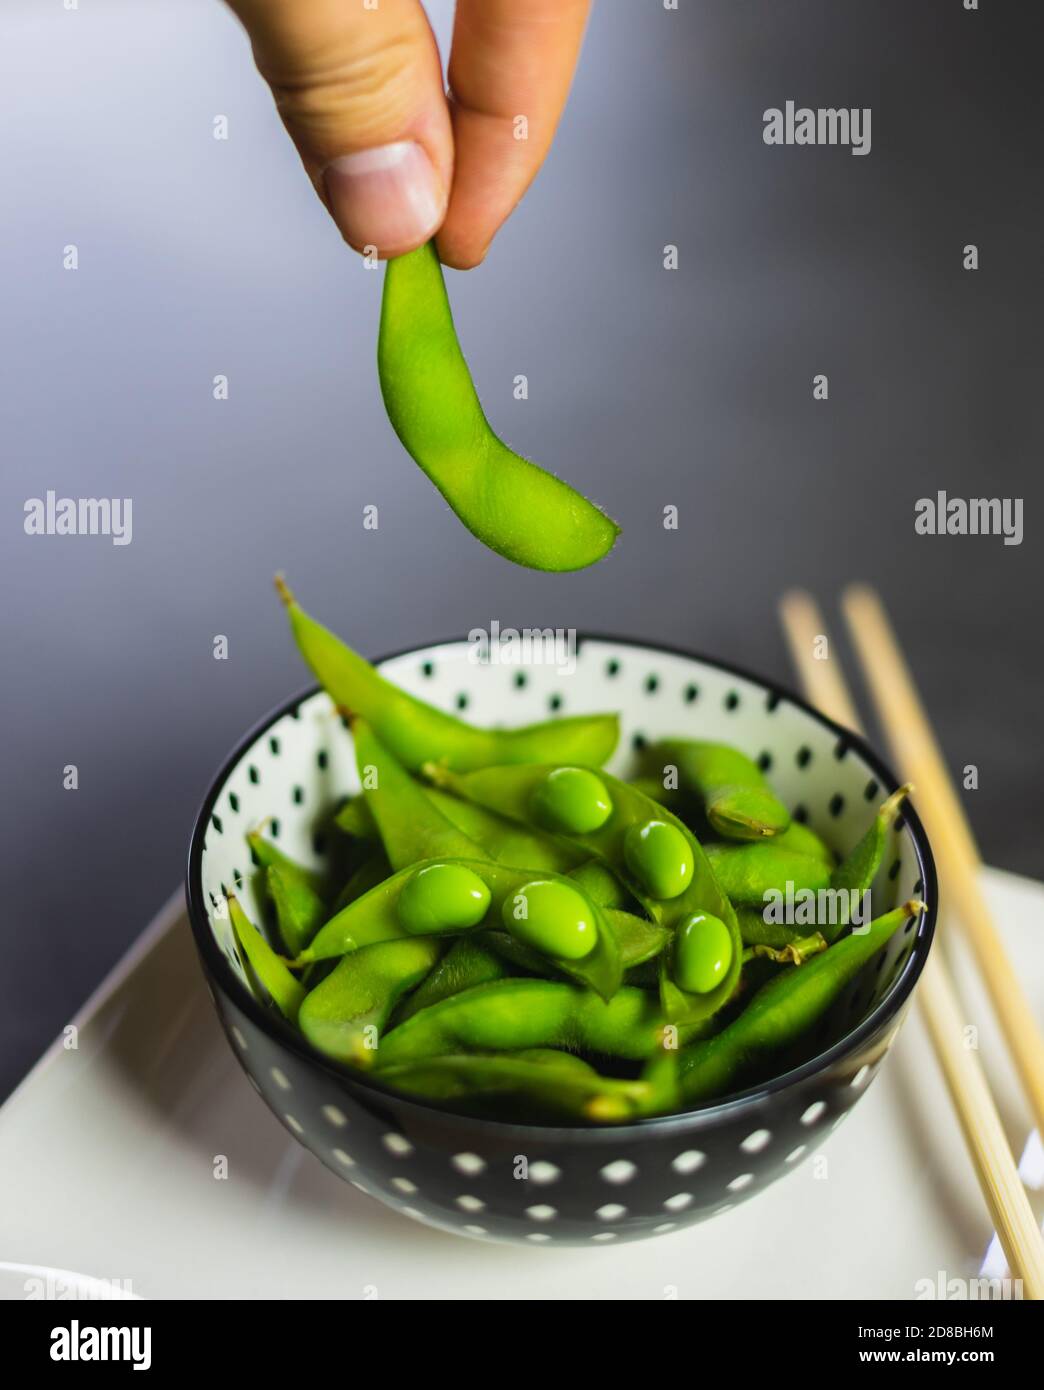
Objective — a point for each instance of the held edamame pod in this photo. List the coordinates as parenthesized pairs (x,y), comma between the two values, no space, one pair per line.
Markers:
(512,505)
(783,1010)
(736,799)
(417,732)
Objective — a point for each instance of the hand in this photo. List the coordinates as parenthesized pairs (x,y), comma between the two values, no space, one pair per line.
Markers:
(360,91)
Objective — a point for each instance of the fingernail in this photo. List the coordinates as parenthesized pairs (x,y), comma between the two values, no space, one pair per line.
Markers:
(388,197)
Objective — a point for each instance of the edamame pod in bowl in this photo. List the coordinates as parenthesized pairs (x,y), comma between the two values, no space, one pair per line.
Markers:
(546,912)
(416,732)
(654,854)
(425,1052)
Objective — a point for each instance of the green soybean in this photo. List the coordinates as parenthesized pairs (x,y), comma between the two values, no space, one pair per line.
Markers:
(552,918)
(512,505)
(279,983)
(343,1016)
(443,898)
(736,799)
(572,800)
(702,953)
(659,857)
(783,1011)
(416,732)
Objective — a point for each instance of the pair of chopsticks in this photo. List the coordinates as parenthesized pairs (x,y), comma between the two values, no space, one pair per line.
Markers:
(919,759)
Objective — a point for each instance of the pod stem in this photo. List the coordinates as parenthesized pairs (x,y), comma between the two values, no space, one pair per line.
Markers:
(890,808)
(283,589)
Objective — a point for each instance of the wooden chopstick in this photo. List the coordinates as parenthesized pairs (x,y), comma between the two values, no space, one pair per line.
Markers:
(988,1148)
(917,753)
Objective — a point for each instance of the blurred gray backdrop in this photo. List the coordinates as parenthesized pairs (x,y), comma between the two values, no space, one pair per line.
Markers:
(199,257)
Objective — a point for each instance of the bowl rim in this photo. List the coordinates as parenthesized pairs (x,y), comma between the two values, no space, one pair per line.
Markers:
(705,1116)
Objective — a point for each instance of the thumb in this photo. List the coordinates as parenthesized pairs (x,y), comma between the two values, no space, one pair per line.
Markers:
(360,91)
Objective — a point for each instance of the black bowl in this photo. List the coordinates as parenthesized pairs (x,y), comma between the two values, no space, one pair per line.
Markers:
(540,1183)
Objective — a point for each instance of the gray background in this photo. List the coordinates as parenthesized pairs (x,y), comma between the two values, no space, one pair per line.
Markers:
(646,388)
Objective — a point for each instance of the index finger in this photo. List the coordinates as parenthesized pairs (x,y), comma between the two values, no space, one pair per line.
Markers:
(510,70)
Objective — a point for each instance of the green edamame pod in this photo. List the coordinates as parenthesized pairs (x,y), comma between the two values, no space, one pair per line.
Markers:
(286,991)
(500,838)
(343,1016)
(372,870)
(856,872)
(737,800)
(377,917)
(513,1014)
(754,874)
(755,931)
(537,1081)
(300,911)
(783,1011)
(512,505)
(653,788)
(643,843)
(637,939)
(600,884)
(803,840)
(417,732)
(467,963)
(411,827)
(356,819)
(270,856)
